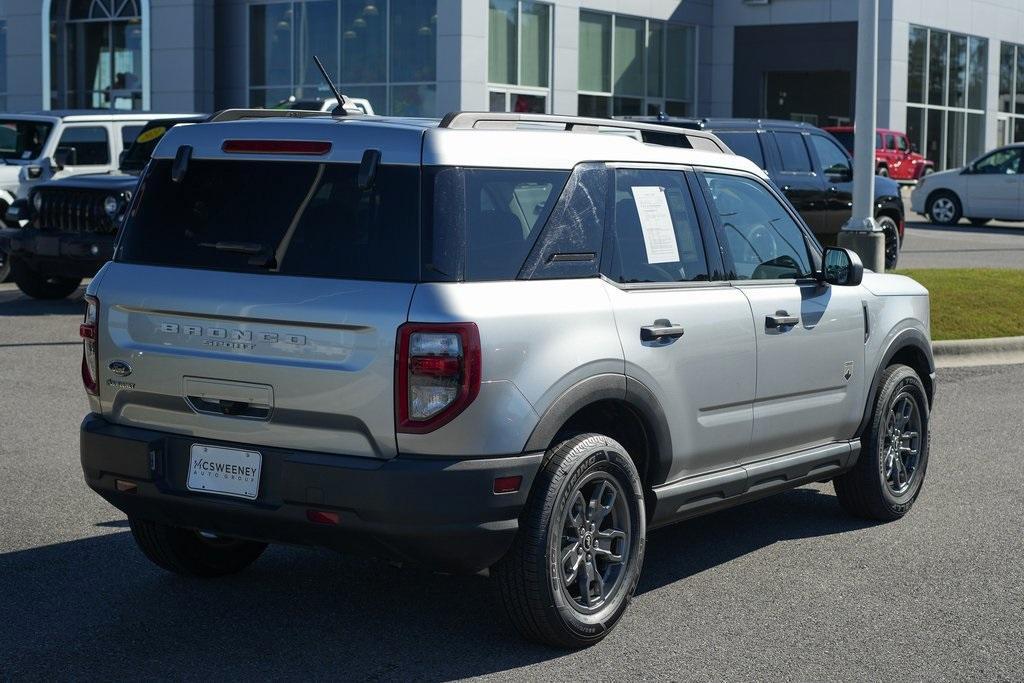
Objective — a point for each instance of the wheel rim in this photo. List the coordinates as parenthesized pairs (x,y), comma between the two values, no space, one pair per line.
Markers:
(901,444)
(595,542)
(943,210)
(892,243)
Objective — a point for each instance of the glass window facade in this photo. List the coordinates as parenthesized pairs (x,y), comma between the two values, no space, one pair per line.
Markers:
(633,66)
(946,81)
(3,66)
(383,50)
(96,54)
(519,55)
(1011,89)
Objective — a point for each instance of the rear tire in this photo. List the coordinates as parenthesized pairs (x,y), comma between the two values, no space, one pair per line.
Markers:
(944,208)
(39,286)
(186,552)
(574,564)
(893,460)
(883,171)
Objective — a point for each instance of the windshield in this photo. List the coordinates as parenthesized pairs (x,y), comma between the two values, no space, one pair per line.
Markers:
(845,139)
(23,140)
(141,150)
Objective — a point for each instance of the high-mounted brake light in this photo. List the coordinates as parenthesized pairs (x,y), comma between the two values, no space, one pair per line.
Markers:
(89,332)
(437,374)
(311,147)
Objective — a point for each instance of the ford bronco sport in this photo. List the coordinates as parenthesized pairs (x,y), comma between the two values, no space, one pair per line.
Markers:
(498,341)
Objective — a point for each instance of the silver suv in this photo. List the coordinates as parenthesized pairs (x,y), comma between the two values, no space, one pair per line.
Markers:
(497,341)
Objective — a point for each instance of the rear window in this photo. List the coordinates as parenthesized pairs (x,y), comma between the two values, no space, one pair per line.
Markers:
(290,218)
(484,221)
(745,144)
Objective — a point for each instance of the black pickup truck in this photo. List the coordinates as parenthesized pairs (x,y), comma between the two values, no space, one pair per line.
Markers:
(69,225)
(812,169)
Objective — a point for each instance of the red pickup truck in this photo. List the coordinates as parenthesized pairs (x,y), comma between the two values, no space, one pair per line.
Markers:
(895,157)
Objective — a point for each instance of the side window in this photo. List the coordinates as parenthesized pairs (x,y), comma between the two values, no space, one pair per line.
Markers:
(85,145)
(570,244)
(999,162)
(128,135)
(655,234)
(890,142)
(833,159)
(901,143)
(765,242)
(878,141)
(793,152)
(745,144)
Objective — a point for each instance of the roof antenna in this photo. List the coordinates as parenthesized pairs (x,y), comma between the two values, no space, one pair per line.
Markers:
(340,109)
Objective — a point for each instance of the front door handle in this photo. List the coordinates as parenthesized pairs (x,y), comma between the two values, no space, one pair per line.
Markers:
(661,329)
(780,319)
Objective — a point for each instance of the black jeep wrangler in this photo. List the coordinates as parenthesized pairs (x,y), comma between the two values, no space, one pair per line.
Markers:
(69,225)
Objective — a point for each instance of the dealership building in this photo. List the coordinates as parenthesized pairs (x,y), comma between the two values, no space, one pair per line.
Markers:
(951,72)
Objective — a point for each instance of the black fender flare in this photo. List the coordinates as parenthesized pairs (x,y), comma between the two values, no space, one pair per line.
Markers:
(616,387)
(897,341)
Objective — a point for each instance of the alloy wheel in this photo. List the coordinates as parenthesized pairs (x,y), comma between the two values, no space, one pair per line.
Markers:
(595,542)
(943,210)
(901,444)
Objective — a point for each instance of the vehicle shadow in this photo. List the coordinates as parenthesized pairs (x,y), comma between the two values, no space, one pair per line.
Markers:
(95,608)
(14,303)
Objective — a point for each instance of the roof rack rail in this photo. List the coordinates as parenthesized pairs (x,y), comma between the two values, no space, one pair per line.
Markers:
(240,114)
(650,133)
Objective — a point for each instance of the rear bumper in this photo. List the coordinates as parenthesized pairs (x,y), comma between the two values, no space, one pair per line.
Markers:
(437,512)
(60,253)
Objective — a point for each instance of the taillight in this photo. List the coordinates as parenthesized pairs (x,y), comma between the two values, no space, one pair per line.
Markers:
(89,331)
(437,374)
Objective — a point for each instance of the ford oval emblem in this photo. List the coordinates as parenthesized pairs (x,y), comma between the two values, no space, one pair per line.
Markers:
(120,368)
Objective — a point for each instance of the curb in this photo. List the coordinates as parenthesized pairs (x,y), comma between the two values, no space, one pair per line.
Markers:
(954,353)
(965,347)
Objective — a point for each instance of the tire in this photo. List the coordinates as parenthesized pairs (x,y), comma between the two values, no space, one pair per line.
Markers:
(979,221)
(883,171)
(39,286)
(892,241)
(944,208)
(531,579)
(880,487)
(186,552)
(5,266)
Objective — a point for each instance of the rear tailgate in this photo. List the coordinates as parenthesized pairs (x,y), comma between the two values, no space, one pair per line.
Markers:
(299,363)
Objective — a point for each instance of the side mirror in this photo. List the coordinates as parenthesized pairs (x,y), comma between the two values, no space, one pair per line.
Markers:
(18,211)
(839,173)
(842,267)
(64,156)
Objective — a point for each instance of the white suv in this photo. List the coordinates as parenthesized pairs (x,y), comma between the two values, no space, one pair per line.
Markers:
(492,341)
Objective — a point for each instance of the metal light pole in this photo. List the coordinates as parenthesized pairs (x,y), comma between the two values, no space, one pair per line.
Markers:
(861,233)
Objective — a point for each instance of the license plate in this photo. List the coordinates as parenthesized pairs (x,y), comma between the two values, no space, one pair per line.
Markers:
(224,471)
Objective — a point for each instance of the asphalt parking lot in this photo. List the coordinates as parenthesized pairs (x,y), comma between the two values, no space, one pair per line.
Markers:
(788,587)
(996,245)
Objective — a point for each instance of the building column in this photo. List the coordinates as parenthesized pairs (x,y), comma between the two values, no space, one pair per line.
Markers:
(461,56)
(25,30)
(181,55)
(565,71)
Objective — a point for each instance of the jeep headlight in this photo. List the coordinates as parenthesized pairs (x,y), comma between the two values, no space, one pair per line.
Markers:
(111,205)
(37,201)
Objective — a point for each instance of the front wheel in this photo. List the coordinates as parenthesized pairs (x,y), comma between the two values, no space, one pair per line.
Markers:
(574,565)
(944,209)
(892,241)
(193,553)
(40,286)
(890,469)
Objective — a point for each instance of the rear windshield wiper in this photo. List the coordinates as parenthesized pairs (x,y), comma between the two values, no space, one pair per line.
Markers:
(236,247)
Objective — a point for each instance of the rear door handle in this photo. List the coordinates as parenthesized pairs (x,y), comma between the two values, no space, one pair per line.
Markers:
(661,329)
(780,319)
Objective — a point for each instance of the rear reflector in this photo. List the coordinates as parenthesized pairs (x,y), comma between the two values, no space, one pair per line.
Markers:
(322,517)
(313,147)
(508,484)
